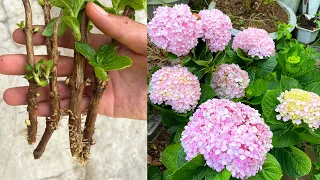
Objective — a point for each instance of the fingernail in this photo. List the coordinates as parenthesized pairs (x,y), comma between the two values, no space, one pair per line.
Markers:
(100,10)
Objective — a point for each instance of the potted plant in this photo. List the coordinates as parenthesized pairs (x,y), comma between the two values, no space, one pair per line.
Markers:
(308,28)
(153,4)
(266,14)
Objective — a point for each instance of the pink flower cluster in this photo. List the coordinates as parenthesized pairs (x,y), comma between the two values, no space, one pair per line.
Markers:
(255,42)
(216,27)
(175,86)
(230,81)
(174,29)
(229,135)
(299,106)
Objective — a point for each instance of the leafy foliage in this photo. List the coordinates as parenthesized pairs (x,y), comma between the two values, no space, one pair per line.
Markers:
(40,73)
(105,60)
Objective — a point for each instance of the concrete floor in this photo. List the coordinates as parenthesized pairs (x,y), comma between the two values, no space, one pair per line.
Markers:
(120,152)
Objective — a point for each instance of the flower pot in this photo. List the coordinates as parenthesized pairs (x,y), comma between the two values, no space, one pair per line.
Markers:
(306,36)
(293,4)
(154,127)
(292,19)
(153,4)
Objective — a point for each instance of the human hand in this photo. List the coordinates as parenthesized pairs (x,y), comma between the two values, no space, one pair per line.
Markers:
(126,93)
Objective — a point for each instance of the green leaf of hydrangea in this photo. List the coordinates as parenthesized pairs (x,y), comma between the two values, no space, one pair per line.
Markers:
(74,25)
(271,170)
(154,173)
(223,175)
(288,83)
(48,31)
(136,4)
(314,87)
(86,50)
(100,73)
(269,104)
(293,161)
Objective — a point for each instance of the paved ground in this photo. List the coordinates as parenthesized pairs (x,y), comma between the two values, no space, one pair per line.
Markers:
(120,152)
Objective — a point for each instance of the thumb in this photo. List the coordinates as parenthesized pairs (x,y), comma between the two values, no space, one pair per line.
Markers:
(128,32)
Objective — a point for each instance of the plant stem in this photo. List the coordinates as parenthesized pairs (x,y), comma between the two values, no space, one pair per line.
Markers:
(33,88)
(47,18)
(53,121)
(77,86)
(98,91)
(88,132)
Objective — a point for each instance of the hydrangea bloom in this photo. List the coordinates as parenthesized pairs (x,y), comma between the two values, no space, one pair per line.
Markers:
(299,106)
(175,86)
(230,81)
(216,27)
(229,135)
(255,42)
(174,29)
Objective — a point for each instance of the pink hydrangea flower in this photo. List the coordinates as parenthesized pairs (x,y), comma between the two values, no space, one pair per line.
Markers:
(230,81)
(229,135)
(175,86)
(299,106)
(216,28)
(255,42)
(174,29)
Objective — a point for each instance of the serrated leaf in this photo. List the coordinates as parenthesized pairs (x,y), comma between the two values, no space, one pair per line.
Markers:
(223,175)
(267,66)
(305,134)
(120,62)
(257,88)
(181,160)
(284,137)
(154,173)
(293,161)
(74,25)
(192,170)
(271,170)
(166,175)
(169,157)
(314,87)
(269,103)
(172,56)
(48,30)
(62,4)
(86,50)
(100,73)
(206,93)
(287,83)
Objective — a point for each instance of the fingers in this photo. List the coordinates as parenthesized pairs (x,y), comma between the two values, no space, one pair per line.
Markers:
(44,107)
(123,29)
(65,41)
(15,64)
(18,95)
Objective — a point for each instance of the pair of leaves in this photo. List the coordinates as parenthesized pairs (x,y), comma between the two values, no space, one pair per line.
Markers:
(106,59)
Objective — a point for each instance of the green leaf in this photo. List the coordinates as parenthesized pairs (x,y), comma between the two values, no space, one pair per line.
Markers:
(62,4)
(107,9)
(77,5)
(284,137)
(257,88)
(48,65)
(48,30)
(154,173)
(203,63)
(109,60)
(287,83)
(74,25)
(223,175)
(172,56)
(177,135)
(100,73)
(244,57)
(181,160)
(29,68)
(169,118)
(293,161)
(267,66)
(206,93)
(269,103)
(314,87)
(169,157)
(86,50)
(271,170)
(305,134)
(136,4)
(166,175)
(193,170)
